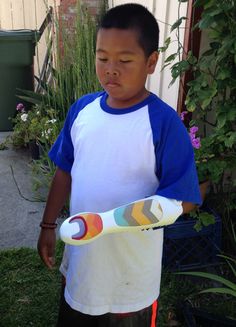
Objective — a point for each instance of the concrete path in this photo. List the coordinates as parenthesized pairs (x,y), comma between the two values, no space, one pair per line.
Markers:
(19,214)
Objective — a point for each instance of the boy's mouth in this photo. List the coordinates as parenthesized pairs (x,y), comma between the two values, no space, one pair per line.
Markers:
(112,83)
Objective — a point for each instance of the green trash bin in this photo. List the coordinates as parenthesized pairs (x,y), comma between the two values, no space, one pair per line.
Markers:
(17,50)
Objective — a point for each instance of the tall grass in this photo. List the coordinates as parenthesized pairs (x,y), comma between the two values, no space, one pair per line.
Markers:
(73,50)
(71,74)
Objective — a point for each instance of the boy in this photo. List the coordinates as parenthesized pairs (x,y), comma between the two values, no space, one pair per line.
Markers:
(116,147)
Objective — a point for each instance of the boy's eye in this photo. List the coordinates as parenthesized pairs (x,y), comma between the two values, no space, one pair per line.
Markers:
(125,61)
(102,59)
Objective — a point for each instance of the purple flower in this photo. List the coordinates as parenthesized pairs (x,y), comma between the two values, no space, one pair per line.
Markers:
(20,107)
(196,142)
(183,114)
(193,130)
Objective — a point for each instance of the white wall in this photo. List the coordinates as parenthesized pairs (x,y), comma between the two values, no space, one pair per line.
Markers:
(166,13)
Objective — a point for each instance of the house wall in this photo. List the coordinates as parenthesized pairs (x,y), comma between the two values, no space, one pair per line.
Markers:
(68,9)
(29,14)
(166,13)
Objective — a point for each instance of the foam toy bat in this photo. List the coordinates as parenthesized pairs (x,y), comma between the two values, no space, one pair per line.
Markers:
(86,227)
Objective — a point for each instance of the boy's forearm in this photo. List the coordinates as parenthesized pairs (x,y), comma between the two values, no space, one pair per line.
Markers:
(58,194)
(188,206)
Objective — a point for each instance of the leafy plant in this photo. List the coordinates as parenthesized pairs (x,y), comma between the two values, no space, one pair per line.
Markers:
(211,99)
(211,95)
(203,218)
(228,287)
(38,124)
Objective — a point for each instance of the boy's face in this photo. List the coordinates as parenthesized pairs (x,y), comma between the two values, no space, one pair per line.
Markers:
(122,66)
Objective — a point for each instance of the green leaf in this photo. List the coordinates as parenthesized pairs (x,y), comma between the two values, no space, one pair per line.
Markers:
(199,3)
(230,139)
(208,4)
(211,277)
(31,94)
(227,46)
(179,68)
(231,267)
(221,120)
(166,65)
(222,290)
(206,218)
(206,22)
(191,58)
(198,226)
(223,74)
(207,94)
(208,53)
(215,45)
(172,82)
(215,12)
(190,104)
(166,45)
(30,100)
(171,57)
(226,257)
(177,23)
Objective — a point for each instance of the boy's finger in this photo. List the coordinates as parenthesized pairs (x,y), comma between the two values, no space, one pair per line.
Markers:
(47,258)
(51,261)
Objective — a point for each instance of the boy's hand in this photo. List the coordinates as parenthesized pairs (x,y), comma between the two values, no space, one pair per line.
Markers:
(46,246)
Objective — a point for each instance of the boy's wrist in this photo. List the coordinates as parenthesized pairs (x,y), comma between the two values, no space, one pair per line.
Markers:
(47,225)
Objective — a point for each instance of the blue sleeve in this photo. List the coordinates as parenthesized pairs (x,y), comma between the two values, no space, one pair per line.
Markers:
(175,163)
(62,151)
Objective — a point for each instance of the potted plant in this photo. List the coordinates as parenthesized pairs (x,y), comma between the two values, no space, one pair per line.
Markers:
(34,128)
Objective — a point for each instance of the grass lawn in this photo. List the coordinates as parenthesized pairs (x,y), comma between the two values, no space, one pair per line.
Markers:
(29,292)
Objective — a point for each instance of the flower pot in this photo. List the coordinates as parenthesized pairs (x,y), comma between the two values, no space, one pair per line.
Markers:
(34,150)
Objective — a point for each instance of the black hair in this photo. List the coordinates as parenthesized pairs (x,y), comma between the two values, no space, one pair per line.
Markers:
(136,17)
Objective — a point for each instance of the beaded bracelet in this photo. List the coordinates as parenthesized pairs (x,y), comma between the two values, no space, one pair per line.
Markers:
(48,225)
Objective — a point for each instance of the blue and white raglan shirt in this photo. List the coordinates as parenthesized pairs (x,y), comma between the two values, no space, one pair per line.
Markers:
(116,156)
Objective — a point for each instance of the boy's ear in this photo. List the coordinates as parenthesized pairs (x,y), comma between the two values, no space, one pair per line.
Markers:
(152,62)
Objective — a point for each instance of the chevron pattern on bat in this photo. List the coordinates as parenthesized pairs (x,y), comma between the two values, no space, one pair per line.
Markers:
(138,213)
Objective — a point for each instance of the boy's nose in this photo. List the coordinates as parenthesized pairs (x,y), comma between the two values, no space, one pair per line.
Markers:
(112,72)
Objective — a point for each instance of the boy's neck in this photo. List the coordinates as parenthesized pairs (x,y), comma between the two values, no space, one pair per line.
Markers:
(122,104)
